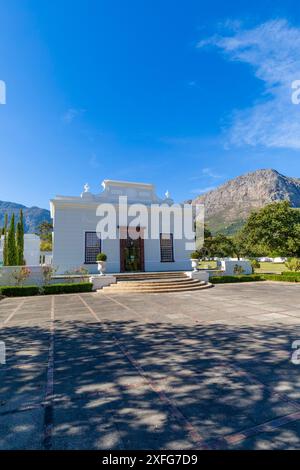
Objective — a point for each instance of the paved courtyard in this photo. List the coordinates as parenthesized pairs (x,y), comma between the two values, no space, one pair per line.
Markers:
(204,370)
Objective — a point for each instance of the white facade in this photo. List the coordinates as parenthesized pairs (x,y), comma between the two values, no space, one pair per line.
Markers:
(74,217)
(31,249)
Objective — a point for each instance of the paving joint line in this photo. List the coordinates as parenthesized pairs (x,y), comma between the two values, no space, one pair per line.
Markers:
(48,401)
(175,411)
(14,312)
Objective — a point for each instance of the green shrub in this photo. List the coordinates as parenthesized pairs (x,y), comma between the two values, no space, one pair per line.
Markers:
(68,288)
(293,264)
(18,291)
(291,273)
(101,257)
(230,279)
(195,255)
(291,277)
(255,264)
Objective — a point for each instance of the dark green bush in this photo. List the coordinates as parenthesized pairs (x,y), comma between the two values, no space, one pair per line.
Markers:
(18,291)
(101,257)
(291,273)
(229,279)
(68,288)
(284,277)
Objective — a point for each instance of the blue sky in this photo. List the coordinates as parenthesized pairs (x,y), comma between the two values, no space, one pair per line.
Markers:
(183,94)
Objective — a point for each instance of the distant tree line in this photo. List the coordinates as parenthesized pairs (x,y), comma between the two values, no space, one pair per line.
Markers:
(272,231)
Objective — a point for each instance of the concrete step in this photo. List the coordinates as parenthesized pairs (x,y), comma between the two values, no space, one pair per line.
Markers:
(145,276)
(107,290)
(119,289)
(154,282)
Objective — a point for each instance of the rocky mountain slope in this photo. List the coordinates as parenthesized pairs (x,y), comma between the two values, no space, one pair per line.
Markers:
(33,216)
(228,206)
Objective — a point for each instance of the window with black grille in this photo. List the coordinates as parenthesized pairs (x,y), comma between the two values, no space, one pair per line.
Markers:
(166,248)
(92,247)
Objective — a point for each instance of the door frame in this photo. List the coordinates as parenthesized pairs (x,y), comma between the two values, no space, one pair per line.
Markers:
(123,242)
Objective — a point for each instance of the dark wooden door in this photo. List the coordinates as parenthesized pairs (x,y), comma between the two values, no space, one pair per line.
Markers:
(132,254)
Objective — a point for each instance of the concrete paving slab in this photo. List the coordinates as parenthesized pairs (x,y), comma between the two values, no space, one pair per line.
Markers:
(160,371)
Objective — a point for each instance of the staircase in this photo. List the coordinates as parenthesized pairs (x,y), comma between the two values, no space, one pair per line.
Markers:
(154,283)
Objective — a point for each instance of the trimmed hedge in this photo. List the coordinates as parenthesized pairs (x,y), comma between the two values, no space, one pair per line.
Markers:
(284,277)
(19,291)
(68,288)
(241,278)
(291,273)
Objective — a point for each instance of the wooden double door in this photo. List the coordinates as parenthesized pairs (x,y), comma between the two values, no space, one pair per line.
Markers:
(131,251)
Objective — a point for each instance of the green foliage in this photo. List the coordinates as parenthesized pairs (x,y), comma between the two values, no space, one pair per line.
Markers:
(101,257)
(46,246)
(284,277)
(273,230)
(221,246)
(20,240)
(233,279)
(195,255)
(5,240)
(291,273)
(45,233)
(17,291)
(11,256)
(293,264)
(45,230)
(68,288)
(255,264)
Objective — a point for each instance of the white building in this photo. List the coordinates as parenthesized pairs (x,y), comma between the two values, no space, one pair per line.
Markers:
(77,239)
(31,249)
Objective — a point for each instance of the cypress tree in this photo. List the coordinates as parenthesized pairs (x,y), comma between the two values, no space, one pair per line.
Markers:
(5,240)
(11,244)
(20,240)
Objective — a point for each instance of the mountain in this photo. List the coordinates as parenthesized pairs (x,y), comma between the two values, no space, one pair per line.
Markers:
(33,216)
(228,206)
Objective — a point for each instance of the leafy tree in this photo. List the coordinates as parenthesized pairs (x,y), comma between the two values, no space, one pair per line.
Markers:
(20,240)
(11,256)
(205,250)
(45,246)
(45,230)
(273,230)
(221,246)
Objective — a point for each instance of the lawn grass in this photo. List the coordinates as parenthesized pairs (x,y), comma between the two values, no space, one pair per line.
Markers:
(268,267)
(265,267)
(207,265)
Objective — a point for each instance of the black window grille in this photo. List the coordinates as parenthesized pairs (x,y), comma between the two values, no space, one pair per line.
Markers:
(166,248)
(92,247)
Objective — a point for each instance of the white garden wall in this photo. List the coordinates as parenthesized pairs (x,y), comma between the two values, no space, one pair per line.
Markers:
(228,267)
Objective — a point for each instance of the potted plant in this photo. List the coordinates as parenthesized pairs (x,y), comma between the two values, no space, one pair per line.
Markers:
(101,261)
(195,260)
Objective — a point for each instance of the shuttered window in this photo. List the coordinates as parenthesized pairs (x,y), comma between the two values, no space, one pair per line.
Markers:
(166,248)
(92,247)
